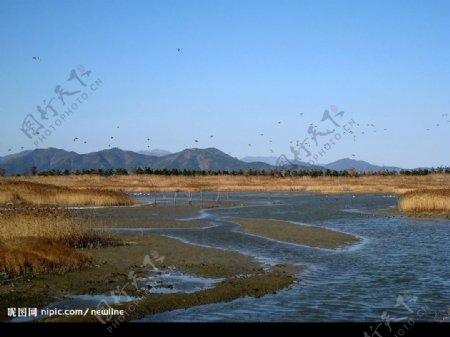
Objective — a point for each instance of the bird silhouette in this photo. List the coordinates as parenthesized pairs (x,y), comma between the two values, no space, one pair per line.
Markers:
(75,139)
(117,126)
(279,122)
(195,140)
(261,134)
(112,137)
(9,150)
(212,136)
(249,144)
(178,49)
(37,58)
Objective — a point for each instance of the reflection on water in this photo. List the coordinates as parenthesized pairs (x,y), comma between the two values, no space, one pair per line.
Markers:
(399,257)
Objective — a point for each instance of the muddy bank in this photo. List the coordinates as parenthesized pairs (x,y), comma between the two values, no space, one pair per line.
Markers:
(127,267)
(294,233)
(147,216)
(418,215)
(255,285)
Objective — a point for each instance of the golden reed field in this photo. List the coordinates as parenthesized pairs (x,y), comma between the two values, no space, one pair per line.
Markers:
(45,239)
(37,237)
(159,183)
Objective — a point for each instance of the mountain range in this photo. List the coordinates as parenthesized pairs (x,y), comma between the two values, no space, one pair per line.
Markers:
(338,165)
(189,159)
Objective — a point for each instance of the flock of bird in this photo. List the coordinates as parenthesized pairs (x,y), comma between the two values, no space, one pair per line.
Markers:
(370,127)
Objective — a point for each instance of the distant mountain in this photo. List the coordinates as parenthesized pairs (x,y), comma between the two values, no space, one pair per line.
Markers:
(155,152)
(15,155)
(358,166)
(190,159)
(268,160)
(207,159)
(283,161)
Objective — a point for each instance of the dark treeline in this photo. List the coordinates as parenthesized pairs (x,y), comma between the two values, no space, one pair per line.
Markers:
(279,172)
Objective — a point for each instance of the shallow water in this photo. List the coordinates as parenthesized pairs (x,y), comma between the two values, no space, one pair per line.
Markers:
(401,268)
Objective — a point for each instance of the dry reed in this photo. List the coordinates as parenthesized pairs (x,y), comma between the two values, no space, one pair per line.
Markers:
(426,200)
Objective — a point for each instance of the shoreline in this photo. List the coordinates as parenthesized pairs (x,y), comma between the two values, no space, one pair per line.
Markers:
(112,265)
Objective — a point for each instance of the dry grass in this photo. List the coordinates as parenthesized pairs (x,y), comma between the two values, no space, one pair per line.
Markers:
(153,183)
(36,255)
(96,190)
(426,200)
(33,193)
(43,240)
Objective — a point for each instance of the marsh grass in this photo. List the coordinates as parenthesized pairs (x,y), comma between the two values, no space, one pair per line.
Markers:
(37,240)
(34,193)
(426,200)
(154,183)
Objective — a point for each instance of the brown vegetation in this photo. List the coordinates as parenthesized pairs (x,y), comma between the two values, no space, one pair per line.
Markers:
(426,200)
(43,240)
(153,183)
(33,193)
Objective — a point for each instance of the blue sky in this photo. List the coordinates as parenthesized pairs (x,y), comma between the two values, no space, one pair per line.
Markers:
(245,68)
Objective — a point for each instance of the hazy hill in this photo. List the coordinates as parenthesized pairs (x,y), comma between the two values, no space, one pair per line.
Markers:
(358,165)
(57,159)
(155,152)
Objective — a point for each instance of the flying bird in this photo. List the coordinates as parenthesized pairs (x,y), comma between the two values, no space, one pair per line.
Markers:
(279,122)
(117,126)
(212,136)
(249,144)
(178,49)
(195,140)
(261,134)
(37,58)
(9,150)
(75,139)
(112,137)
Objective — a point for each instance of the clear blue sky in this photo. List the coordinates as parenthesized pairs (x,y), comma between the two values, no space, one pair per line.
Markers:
(244,66)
